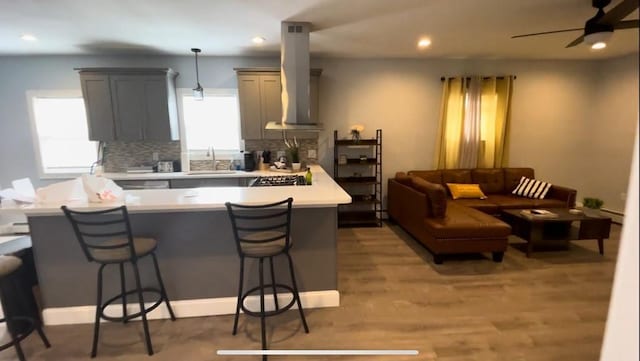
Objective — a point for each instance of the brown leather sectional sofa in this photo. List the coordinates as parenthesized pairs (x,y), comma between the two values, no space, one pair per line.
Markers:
(420,202)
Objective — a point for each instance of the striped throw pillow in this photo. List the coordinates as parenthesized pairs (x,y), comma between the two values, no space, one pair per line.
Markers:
(532,188)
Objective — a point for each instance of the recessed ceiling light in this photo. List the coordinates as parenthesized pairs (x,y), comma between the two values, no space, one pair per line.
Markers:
(424,43)
(258,40)
(28,37)
(599,45)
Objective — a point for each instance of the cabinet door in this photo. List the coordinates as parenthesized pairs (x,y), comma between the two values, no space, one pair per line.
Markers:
(129,108)
(249,97)
(156,124)
(97,101)
(271,101)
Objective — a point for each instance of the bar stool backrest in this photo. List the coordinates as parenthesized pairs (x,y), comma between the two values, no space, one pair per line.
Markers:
(255,224)
(105,230)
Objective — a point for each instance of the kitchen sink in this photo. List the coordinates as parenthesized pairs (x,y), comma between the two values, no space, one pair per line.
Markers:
(194,172)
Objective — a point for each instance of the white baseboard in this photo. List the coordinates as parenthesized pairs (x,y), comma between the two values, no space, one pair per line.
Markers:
(189,308)
(616,216)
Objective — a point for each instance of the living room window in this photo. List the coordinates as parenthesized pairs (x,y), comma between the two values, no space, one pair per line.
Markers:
(60,134)
(474,122)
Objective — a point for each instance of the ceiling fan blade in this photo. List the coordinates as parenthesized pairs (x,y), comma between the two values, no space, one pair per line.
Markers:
(575,42)
(546,32)
(627,24)
(618,13)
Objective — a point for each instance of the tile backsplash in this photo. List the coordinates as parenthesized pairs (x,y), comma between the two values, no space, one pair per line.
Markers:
(120,155)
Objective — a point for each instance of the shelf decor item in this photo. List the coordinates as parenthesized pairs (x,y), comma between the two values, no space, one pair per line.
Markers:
(355,131)
(342,159)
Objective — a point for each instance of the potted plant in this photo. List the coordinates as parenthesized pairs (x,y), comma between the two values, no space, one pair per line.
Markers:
(592,204)
(293,152)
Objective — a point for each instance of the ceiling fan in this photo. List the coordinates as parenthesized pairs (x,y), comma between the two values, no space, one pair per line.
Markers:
(599,28)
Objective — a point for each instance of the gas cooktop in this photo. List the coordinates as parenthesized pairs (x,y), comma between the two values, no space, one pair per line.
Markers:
(279,180)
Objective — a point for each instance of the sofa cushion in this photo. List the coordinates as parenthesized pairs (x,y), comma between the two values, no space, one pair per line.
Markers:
(466,223)
(491,180)
(549,203)
(436,196)
(433,176)
(483,205)
(512,177)
(403,178)
(459,191)
(532,188)
(462,176)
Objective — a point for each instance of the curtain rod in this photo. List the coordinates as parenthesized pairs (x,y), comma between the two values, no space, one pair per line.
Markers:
(483,78)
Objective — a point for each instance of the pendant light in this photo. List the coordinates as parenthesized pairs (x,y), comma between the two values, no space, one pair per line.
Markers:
(198,92)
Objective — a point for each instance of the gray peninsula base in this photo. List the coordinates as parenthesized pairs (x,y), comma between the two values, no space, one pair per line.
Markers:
(196,252)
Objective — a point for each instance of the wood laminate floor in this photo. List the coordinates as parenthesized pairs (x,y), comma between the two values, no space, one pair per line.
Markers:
(552,306)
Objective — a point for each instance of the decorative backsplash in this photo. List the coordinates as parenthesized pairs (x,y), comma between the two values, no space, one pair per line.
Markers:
(275,145)
(118,156)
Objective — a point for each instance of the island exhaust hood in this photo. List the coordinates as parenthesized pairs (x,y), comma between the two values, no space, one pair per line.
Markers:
(295,78)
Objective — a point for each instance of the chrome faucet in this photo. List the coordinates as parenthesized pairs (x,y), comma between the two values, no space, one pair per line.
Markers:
(211,153)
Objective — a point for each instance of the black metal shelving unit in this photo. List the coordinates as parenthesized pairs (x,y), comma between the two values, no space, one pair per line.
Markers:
(357,167)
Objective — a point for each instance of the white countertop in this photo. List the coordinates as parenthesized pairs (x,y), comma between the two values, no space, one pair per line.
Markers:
(324,192)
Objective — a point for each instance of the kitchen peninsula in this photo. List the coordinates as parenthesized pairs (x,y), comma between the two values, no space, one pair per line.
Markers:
(196,249)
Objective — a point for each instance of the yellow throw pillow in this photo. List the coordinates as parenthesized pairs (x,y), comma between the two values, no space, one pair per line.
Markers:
(465,191)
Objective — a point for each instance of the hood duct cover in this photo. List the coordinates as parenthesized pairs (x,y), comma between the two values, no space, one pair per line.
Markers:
(295,78)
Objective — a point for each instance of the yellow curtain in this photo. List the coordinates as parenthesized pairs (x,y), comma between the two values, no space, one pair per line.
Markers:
(451,123)
(495,114)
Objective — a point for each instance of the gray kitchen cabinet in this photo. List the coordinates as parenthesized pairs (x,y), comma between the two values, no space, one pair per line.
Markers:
(130,104)
(259,93)
(97,99)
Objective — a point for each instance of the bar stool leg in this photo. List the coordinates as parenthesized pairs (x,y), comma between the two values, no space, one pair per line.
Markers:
(162,289)
(296,294)
(145,325)
(96,325)
(235,320)
(43,337)
(14,339)
(123,289)
(273,284)
(262,316)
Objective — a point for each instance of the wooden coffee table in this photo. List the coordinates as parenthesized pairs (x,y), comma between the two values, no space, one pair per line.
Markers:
(563,228)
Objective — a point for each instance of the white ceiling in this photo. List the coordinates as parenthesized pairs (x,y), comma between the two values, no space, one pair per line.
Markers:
(341,28)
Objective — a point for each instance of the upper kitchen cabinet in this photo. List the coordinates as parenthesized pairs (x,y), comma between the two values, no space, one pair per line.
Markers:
(259,93)
(130,104)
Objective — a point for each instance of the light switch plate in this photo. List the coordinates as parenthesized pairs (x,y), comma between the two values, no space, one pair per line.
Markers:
(311,153)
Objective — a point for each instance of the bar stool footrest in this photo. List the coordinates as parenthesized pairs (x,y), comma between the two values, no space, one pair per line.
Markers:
(21,336)
(133,315)
(280,310)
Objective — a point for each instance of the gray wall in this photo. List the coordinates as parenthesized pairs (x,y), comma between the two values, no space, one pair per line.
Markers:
(573,121)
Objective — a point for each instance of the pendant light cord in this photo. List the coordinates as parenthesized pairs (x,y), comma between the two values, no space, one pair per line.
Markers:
(197,74)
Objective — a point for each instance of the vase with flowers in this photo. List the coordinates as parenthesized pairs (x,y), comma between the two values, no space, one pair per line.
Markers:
(293,152)
(355,131)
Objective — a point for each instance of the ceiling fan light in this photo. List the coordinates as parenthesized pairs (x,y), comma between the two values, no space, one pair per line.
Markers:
(599,37)
(599,45)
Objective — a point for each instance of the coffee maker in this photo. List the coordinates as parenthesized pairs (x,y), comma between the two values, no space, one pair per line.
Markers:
(249,161)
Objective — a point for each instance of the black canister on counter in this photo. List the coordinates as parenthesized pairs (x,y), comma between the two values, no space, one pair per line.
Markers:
(249,161)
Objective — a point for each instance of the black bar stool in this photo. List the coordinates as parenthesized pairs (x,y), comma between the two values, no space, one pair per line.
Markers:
(12,286)
(106,238)
(263,232)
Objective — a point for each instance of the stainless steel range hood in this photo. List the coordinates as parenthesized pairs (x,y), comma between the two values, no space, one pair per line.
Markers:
(294,73)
